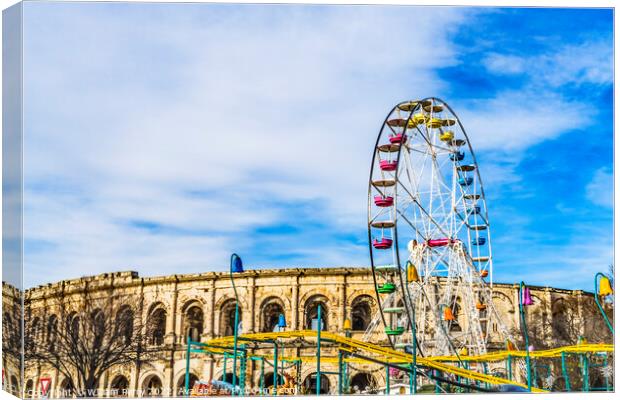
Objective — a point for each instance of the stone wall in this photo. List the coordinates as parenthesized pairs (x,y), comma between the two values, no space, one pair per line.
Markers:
(202,305)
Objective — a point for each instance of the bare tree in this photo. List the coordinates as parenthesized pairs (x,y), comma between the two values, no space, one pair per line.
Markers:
(83,336)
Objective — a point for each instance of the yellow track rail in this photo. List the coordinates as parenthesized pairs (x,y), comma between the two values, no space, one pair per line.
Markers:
(397,357)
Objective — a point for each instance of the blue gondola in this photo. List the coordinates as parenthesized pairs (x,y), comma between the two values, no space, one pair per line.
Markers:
(458,156)
(474,210)
(466,181)
(478,241)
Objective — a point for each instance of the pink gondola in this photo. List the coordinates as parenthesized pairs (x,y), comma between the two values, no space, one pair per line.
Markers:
(382,244)
(386,165)
(439,242)
(384,201)
(398,138)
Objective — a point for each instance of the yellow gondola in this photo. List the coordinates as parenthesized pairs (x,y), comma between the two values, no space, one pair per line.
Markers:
(446,136)
(412,273)
(434,122)
(419,118)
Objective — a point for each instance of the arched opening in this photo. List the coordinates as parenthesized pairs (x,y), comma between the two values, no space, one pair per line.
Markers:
(152,387)
(181,384)
(156,327)
(227,318)
(228,377)
(29,391)
(193,323)
(14,386)
(362,382)
(35,331)
(119,387)
(268,380)
(66,389)
(270,313)
(455,325)
(52,331)
(310,384)
(361,312)
(72,326)
(124,323)
(312,312)
(561,322)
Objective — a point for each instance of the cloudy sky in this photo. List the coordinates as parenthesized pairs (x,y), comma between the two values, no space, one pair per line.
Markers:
(162,137)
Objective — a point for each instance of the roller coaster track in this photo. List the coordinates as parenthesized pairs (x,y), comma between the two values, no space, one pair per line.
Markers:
(385,354)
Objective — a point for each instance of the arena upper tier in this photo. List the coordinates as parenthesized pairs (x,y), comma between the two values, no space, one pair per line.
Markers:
(202,306)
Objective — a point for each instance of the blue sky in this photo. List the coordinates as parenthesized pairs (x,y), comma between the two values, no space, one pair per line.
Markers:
(162,137)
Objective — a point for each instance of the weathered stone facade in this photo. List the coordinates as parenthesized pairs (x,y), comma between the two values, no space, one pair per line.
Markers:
(200,305)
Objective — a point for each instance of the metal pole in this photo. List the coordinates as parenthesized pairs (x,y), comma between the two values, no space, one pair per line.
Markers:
(339,372)
(598,303)
(527,341)
(347,334)
(224,376)
(187,355)
(565,373)
(232,280)
(262,375)
(415,352)
(586,377)
(275,368)
(387,380)
(509,366)
(318,352)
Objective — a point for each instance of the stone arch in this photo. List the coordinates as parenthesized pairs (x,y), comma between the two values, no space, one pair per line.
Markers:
(124,322)
(455,326)
(51,330)
(270,311)
(72,324)
(504,305)
(119,387)
(499,299)
(562,321)
(14,386)
(29,389)
(156,325)
(309,384)
(228,376)
(65,389)
(152,386)
(311,311)
(227,317)
(361,312)
(180,383)
(193,320)
(268,380)
(362,382)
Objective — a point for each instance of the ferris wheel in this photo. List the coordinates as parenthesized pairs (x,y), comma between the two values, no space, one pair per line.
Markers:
(429,233)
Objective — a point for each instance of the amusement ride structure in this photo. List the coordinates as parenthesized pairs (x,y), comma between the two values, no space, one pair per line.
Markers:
(429,233)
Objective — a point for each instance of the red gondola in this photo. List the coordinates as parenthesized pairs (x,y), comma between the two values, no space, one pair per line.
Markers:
(384,201)
(398,138)
(386,165)
(382,244)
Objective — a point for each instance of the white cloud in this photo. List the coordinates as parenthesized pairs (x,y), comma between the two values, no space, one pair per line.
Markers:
(503,64)
(588,62)
(130,120)
(600,189)
(516,120)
